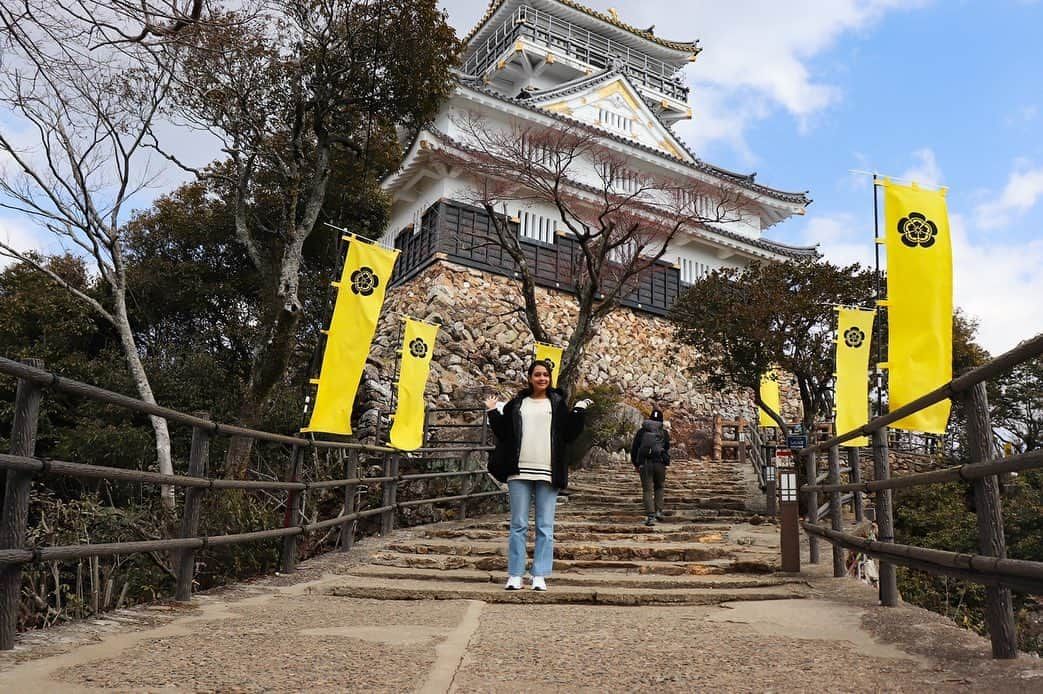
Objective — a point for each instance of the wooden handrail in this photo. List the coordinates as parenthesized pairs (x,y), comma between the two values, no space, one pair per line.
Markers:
(991,568)
(1029,349)
(23,465)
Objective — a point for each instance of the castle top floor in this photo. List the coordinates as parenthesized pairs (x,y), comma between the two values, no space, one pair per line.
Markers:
(534,45)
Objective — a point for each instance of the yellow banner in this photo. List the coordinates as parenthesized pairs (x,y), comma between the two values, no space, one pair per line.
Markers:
(360,295)
(553,355)
(770,397)
(919,302)
(407,431)
(854,333)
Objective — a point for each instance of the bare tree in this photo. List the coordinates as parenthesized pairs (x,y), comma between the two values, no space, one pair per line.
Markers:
(621,219)
(83,96)
(295,89)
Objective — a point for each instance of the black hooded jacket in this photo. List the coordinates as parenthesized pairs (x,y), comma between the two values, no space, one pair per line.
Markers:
(565,426)
(650,425)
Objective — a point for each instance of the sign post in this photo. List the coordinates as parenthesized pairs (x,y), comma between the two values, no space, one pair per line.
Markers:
(789,513)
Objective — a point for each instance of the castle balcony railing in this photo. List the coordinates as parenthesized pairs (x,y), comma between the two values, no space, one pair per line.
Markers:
(463,234)
(579,43)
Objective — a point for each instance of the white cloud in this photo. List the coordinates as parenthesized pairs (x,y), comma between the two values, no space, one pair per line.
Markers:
(995,283)
(755,58)
(1023,190)
(22,236)
(925,171)
(842,238)
(1022,116)
(998,284)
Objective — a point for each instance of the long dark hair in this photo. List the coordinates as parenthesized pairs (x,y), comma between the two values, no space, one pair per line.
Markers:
(528,373)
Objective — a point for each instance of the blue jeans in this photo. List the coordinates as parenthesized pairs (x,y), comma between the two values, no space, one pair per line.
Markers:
(522,493)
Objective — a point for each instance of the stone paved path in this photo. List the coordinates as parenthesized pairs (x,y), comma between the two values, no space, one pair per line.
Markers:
(690,605)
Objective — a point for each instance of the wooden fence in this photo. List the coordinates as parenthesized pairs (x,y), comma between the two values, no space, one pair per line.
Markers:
(22,466)
(991,567)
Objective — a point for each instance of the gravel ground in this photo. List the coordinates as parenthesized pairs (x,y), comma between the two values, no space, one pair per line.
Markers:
(285,634)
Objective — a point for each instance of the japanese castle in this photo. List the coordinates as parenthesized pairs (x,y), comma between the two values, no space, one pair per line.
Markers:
(555,63)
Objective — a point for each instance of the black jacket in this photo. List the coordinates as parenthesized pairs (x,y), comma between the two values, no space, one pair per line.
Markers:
(650,425)
(565,426)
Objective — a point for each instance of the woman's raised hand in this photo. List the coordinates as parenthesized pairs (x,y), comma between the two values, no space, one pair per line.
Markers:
(490,403)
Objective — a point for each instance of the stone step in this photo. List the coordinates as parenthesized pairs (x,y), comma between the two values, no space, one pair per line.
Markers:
(588,535)
(668,499)
(603,551)
(636,515)
(442,562)
(566,523)
(716,502)
(616,580)
(402,589)
(557,594)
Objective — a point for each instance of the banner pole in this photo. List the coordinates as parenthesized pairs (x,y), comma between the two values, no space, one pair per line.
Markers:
(877,307)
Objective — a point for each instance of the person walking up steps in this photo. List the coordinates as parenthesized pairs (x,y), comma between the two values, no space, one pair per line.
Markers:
(650,454)
(532,432)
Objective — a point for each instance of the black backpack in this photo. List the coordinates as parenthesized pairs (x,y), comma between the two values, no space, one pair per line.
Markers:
(652,447)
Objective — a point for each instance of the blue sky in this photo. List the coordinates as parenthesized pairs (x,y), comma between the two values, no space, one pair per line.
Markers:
(944,92)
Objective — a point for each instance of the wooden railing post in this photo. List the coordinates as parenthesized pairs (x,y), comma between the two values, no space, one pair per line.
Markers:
(197,463)
(293,510)
(351,471)
(999,610)
(884,517)
(15,512)
(387,518)
(836,520)
(811,514)
(856,477)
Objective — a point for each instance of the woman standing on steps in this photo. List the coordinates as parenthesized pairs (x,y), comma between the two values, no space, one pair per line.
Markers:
(532,432)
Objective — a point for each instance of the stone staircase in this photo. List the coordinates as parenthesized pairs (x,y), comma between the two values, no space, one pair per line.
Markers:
(705,551)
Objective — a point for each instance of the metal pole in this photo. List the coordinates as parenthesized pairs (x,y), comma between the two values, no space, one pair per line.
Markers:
(387,521)
(15,514)
(770,483)
(811,514)
(878,292)
(884,517)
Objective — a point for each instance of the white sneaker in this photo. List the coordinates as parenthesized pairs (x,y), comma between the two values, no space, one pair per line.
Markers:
(539,583)
(513,583)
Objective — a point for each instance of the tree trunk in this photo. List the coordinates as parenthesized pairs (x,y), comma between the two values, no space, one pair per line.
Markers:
(266,370)
(137,370)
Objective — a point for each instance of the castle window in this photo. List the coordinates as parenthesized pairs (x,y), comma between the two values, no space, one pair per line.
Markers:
(615,121)
(536,227)
(688,270)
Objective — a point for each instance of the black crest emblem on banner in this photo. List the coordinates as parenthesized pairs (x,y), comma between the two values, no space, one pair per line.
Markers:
(364,281)
(854,337)
(418,348)
(917,230)
(551,362)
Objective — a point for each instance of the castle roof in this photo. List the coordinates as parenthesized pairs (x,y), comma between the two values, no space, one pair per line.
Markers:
(691,48)
(421,149)
(746,181)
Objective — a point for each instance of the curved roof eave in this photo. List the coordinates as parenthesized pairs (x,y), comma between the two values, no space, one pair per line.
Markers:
(708,232)
(689,48)
(744,181)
